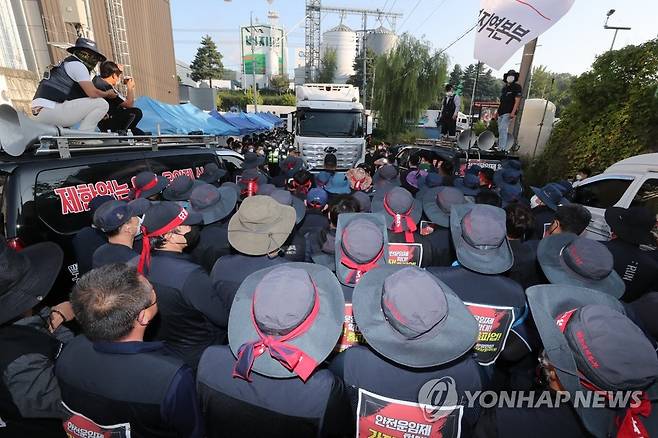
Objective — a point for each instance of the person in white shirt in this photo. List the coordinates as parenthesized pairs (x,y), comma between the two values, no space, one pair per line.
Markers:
(449,112)
(66,95)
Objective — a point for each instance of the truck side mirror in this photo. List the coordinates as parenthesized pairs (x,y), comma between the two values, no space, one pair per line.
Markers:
(368,124)
(289,123)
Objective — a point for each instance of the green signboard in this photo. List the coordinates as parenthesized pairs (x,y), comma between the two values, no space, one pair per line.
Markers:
(249,64)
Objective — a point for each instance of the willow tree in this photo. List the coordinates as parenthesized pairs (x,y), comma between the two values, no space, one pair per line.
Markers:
(407,80)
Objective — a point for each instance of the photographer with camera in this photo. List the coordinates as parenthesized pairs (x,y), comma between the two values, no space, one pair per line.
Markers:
(121,116)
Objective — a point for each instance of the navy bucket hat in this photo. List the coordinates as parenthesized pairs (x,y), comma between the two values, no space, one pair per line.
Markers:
(147,184)
(479,233)
(361,245)
(550,195)
(212,203)
(569,259)
(212,174)
(285,321)
(412,318)
(181,188)
(400,209)
(593,346)
(438,202)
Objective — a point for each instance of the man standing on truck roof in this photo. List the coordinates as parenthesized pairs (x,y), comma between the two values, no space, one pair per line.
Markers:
(510,99)
(122,116)
(66,95)
(449,112)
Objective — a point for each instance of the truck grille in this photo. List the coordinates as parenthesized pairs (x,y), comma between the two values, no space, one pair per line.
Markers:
(347,155)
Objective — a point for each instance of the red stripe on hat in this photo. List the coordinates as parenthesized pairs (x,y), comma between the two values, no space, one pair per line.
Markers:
(397,222)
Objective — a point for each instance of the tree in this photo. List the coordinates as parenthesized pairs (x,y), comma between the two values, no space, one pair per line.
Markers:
(207,63)
(488,86)
(409,79)
(248,98)
(613,114)
(328,67)
(357,78)
(289,99)
(540,87)
(456,75)
(280,83)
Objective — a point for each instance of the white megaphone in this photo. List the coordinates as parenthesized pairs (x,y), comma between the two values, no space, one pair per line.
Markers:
(466,139)
(18,131)
(486,140)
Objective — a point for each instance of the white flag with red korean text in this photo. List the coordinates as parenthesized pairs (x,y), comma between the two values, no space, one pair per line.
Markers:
(504,26)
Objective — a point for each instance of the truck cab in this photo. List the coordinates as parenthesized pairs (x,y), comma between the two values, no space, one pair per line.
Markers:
(330,118)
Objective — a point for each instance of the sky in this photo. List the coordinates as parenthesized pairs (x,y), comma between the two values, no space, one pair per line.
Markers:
(570,46)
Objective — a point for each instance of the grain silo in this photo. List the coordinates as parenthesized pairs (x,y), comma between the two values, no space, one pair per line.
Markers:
(381,40)
(342,39)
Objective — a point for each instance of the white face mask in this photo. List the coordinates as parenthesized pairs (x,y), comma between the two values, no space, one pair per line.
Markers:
(449,93)
(579,177)
(139,226)
(535,201)
(510,79)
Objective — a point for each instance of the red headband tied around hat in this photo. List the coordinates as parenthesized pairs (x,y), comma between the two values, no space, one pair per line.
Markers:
(148,186)
(358,269)
(631,425)
(397,222)
(145,256)
(288,355)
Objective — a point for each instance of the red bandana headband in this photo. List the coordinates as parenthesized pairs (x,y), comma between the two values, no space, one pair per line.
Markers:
(145,256)
(397,222)
(631,425)
(288,355)
(301,188)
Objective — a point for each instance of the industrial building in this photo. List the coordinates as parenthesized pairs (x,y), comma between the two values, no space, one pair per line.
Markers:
(136,33)
(264,52)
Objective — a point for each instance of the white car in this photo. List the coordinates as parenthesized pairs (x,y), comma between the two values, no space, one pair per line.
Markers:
(630,182)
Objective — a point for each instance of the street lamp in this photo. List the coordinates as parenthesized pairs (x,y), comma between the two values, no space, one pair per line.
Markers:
(616,28)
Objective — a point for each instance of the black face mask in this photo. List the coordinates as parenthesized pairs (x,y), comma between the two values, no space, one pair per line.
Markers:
(192,237)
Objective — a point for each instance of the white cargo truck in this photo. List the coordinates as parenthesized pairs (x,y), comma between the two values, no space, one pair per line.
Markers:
(330,118)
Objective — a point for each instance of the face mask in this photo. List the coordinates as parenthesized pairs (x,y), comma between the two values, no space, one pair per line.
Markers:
(579,177)
(510,79)
(449,93)
(534,201)
(139,225)
(192,237)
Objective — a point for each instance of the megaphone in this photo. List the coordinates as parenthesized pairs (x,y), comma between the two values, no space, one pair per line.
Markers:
(18,131)
(466,139)
(486,140)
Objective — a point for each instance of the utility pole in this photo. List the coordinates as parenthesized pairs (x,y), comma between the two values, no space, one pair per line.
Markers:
(525,72)
(475,85)
(253,61)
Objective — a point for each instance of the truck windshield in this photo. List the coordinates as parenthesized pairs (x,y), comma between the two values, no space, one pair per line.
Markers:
(345,124)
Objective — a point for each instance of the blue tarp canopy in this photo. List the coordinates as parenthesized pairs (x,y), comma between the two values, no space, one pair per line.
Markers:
(272,118)
(179,119)
(242,129)
(256,119)
(241,120)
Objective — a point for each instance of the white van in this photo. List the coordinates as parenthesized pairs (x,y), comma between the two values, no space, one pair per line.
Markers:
(630,182)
